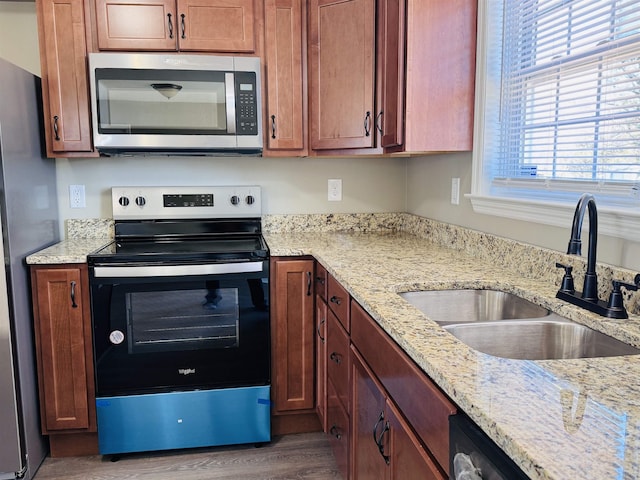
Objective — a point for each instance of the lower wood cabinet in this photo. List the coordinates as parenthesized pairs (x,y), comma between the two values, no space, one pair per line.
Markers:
(293,341)
(385,419)
(421,402)
(64,355)
(384,445)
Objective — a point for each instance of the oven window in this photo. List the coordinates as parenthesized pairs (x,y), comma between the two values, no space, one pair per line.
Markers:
(177,320)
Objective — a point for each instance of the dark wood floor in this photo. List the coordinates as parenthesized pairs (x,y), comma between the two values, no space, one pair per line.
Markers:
(291,457)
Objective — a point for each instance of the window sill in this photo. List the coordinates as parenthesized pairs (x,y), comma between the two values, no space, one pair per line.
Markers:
(619,223)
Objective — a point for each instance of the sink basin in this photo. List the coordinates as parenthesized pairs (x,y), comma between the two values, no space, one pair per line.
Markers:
(505,325)
(462,306)
(541,339)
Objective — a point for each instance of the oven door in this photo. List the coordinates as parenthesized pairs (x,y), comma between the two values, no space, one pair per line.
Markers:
(165,328)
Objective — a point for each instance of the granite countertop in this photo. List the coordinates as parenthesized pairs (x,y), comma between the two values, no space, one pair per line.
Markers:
(558,419)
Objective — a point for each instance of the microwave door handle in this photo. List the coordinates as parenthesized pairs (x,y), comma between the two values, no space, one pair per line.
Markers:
(230,93)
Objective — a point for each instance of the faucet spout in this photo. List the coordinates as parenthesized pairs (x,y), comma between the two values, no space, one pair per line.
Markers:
(587,201)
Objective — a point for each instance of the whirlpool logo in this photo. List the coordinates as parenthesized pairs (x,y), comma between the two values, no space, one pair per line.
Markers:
(186,371)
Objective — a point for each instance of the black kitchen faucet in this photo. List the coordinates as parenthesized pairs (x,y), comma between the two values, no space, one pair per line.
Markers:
(588,298)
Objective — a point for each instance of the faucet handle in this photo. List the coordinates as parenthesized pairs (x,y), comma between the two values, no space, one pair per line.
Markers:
(615,303)
(567,281)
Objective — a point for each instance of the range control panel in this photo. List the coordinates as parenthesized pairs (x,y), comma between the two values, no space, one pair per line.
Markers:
(142,203)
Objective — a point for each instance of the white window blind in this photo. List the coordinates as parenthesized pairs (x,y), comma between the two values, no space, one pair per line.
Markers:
(564,114)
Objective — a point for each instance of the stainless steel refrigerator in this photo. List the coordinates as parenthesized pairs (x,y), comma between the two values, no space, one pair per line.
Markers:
(29,222)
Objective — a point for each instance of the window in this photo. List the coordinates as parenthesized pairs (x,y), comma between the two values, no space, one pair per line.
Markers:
(558,109)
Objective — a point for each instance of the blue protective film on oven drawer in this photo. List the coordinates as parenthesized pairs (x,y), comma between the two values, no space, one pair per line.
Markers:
(201,418)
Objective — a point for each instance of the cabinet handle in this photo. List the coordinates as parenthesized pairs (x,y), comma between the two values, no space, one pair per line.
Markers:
(336,357)
(170,25)
(379,438)
(367,124)
(320,323)
(73,295)
(378,121)
(320,280)
(182,26)
(335,432)
(335,300)
(55,127)
(309,283)
(273,126)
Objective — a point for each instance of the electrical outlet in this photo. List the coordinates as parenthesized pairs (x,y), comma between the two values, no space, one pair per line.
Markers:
(76,196)
(334,186)
(455,191)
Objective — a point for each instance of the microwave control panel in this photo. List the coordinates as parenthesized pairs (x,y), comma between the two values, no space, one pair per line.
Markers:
(246,103)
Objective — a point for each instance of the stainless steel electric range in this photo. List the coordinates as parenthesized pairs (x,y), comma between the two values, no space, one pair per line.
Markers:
(181,320)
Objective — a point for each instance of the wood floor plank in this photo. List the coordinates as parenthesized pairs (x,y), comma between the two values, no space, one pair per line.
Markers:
(304,456)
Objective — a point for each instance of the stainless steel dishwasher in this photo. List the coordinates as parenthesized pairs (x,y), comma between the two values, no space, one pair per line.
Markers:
(474,456)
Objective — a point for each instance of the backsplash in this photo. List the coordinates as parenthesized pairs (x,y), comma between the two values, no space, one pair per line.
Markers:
(528,260)
(79,228)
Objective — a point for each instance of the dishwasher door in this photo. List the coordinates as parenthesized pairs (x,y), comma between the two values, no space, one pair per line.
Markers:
(474,456)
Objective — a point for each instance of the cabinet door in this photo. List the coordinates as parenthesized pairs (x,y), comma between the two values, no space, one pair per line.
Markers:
(409,459)
(63,347)
(136,25)
(391,71)
(216,25)
(342,46)
(292,330)
(63,50)
(440,57)
(285,55)
(321,361)
(369,424)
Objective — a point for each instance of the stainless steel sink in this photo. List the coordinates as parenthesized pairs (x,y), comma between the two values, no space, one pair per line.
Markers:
(505,325)
(543,339)
(462,306)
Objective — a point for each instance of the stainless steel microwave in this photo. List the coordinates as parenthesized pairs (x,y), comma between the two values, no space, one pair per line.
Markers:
(175,103)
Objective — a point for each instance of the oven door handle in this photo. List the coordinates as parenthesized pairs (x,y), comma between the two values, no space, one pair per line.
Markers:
(138,271)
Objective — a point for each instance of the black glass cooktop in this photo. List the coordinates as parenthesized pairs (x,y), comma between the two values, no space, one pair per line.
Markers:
(172,242)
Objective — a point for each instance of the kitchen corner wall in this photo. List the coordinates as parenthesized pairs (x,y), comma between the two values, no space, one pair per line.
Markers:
(429,193)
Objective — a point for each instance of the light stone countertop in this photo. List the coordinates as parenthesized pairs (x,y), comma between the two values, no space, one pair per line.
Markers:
(558,419)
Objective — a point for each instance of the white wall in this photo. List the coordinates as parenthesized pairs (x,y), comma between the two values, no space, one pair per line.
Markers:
(429,193)
(290,185)
(19,35)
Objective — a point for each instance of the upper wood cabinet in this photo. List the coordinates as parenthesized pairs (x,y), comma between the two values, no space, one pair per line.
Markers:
(341,74)
(65,92)
(285,58)
(187,25)
(390,72)
(440,75)
(402,85)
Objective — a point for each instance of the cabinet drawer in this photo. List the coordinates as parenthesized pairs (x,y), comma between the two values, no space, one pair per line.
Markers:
(339,302)
(338,429)
(338,358)
(425,407)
